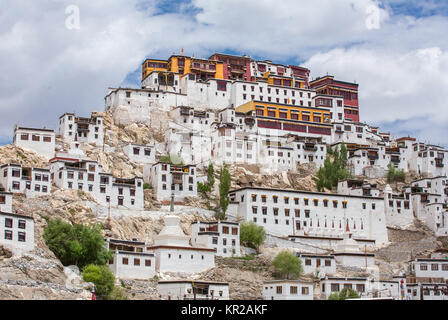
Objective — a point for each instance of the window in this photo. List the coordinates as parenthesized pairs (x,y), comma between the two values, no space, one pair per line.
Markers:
(445,267)
(305,290)
(22,224)
(434,267)
(335,287)
(225,230)
(235,231)
(279,289)
(22,237)
(125,261)
(8,223)
(360,287)
(293,290)
(8,235)
(327,262)
(307,262)
(147,263)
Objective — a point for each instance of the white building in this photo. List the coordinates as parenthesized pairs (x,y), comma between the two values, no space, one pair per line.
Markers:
(167,179)
(130,260)
(430,267)
(330,285)
(308,214)
(288,290)
(41,141)
(193,290)
(321,265)
(5,201)
(223,236)
(16,232)
(429,202)
(18,179)
(173,252)
(140,154)
(86,175)
(85,130)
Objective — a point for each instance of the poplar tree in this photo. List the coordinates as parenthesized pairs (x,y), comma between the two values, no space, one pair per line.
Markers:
(224,187)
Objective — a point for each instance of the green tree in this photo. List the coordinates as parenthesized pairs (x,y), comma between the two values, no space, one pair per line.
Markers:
(102,277)
(224,187)
(252,235)
(332,172)
(395,175)
(76,245)
(211,175)
(288,265)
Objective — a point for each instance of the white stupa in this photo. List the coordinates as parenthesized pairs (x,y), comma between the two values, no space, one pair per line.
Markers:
(172,234)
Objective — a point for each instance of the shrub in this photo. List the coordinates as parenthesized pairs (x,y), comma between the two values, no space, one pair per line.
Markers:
(76,245)
(395,175)
(252,234)
(117,293)
(102,277)
(146,186)
(288,265)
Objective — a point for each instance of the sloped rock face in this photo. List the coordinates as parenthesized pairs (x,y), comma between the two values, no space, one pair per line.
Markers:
(33,277)
(13,154)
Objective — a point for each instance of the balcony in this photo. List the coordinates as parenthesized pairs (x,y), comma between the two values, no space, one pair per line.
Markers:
(373,157)
(203,67)
(439,165)
(339,130)
(310,147)
(396,160)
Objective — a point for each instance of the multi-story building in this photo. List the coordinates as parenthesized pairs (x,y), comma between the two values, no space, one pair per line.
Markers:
(429,201)
(18,179)
(193,290)
(87,176)
(311,214)
(130,260)
(288,290)
(223,236)
(234,67)
(41,141)
(349,91)
(16,232)
(84,130)
(167,179)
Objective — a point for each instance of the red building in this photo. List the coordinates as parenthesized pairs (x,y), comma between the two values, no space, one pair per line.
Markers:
(300,72)
(347,90)
(235,67)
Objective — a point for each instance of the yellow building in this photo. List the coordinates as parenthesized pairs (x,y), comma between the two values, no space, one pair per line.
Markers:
(203,69)
(285,111)
(151,65)
(289,117)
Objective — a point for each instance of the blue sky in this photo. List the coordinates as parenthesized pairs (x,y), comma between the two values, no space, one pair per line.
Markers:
(401,66)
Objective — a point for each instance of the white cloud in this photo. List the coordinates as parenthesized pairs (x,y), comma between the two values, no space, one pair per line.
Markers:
(48,70)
